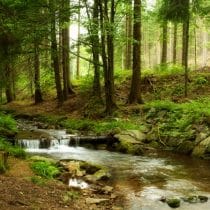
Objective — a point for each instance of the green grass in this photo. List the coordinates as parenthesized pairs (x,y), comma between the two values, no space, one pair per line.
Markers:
(45,169)
(98,127)
(7,122)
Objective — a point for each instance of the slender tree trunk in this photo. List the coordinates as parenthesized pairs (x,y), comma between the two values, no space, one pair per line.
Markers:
(95,49)
(185,49)
(128,34)
(8,86)
(135,91)
(78,41)
(55,54)
(38,93)
(164,43)
(195,48)
(108,58)
(175,44)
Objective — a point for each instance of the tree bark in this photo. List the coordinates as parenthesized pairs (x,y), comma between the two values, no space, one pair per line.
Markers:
(95,49)
(175,44)
(78,42)
(108,57)
(128,35)
(135,91)
(8,85)
(164,43)
(38,93)
(185,49)
(54,54)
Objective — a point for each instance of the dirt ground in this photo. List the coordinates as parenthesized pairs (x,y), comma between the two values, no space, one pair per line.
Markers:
(17,191)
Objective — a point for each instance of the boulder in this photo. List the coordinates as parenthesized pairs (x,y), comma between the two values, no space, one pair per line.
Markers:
(130,142)
(173,202)
(100,175)
(202,148)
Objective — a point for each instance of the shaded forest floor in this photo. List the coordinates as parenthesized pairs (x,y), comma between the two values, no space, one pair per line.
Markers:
(17,191)
(154,87)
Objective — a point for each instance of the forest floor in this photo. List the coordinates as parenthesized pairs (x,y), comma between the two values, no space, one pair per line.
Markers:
(17,192)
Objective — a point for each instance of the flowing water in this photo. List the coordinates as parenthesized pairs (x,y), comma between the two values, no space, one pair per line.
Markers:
(142,179)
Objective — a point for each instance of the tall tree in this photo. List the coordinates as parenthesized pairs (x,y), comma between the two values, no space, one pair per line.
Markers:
(38,93)
(93,29)
(107,47)
(135,91)
(164,42)
(54,52)
(175,43)
(128,35)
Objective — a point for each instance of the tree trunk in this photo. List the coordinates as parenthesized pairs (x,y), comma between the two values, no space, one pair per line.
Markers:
(195,48)
(54,53)
(8,85)
(78,42)
(38,93)
(128,34)
(164,43)
(135,91)
(108,57)
(185,49)
(95,49)
(175,44)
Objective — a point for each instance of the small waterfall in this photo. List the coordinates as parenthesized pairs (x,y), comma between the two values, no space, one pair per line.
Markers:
(32,144)
(43,144)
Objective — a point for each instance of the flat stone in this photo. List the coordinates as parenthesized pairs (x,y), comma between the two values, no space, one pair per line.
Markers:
(95,200)
(107,189)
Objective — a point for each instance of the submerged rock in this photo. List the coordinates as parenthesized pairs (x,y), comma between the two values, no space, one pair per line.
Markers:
(173,202)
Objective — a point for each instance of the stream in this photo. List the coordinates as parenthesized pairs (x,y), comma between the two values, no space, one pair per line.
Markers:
(144,180)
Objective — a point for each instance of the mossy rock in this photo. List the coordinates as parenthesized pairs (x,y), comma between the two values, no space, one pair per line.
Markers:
(173,202)
(202,148)
(128,144)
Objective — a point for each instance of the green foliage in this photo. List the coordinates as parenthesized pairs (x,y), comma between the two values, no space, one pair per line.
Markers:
(15,151)
(7,122)
(45,169)
(99,127)
(177,120)
(200,81)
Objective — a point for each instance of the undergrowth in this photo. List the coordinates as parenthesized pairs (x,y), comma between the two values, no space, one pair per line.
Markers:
(45,169)
(178,120)
(15,151)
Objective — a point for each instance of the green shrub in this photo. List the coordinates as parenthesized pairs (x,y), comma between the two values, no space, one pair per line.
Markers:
(200,81)
(7,122)
(45,169)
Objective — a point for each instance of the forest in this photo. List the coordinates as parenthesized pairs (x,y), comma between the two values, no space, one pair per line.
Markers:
(105,104)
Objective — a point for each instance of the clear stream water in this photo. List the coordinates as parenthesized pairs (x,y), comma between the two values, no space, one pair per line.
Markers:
(142,179)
